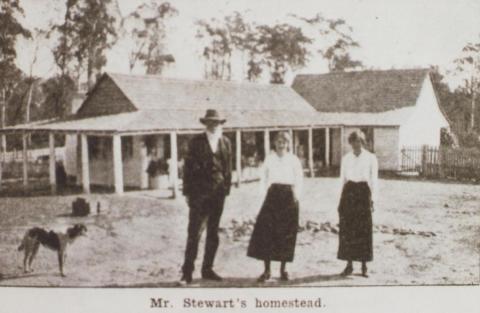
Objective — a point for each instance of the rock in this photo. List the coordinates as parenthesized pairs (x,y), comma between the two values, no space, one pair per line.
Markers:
(446,205)
(310,225)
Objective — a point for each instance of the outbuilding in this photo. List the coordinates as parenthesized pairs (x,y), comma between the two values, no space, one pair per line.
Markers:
(395,108)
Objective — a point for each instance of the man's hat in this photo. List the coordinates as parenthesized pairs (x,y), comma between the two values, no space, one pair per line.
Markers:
(212,115)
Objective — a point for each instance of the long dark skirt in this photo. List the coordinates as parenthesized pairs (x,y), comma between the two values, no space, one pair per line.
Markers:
(275,232)
(355,233)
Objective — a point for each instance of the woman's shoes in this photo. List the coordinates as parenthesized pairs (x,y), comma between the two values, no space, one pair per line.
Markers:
(347,271)
(364,271)
(264,277)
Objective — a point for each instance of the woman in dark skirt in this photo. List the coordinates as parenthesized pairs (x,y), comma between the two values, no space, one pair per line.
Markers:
(275,232)
(359,176)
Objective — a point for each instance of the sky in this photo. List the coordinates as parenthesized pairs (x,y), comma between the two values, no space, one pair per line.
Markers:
(391,33)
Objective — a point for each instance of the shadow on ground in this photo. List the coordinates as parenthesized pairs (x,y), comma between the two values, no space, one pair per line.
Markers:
(236,282)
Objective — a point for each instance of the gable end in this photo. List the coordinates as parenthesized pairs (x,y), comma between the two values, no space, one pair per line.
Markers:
(104,99)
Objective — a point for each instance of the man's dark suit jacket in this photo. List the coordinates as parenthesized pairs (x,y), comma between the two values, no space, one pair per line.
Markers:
(198,179)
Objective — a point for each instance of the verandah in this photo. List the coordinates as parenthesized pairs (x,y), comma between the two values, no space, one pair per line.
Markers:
(311,144)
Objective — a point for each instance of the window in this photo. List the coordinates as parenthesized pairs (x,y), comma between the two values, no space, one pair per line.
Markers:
(99,147)
(127,148)
(94,147)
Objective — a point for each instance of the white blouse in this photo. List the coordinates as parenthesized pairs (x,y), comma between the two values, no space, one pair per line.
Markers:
(361,168)
(282,170)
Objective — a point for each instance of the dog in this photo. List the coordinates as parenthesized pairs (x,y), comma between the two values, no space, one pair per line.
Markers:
(36,236)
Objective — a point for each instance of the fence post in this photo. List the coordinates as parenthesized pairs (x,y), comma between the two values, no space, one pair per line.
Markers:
(424,160)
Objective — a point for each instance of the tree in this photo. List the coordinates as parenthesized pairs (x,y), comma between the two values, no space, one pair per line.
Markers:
(244,38)
(10,30)
(335,35)
(468,66)
(217,50)
(58,95)
(222,39)
(146,27)
(63,53)
(284,47)
(38,38)
(87,32)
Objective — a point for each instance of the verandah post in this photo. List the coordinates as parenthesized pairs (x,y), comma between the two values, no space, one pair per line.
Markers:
(327,146)
(174,164)
(85,163)
(310,152)
(117,164)
(25,159)
(238,151)
(52,163)
(266,142)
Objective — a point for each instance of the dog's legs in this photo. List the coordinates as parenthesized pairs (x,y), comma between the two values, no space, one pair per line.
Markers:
(60,262)
(33,254)
(25,260)
(28,250)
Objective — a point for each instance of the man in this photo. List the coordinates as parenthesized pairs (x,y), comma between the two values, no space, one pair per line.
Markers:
(207,180)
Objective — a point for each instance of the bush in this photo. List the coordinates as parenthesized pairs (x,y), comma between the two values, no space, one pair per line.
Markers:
(470,140)
(157,167)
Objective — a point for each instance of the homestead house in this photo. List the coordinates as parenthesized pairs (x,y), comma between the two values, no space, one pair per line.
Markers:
(395,109)
(127,121)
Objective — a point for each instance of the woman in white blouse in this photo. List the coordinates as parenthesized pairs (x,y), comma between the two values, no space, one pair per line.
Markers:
(359,176)
(275,232)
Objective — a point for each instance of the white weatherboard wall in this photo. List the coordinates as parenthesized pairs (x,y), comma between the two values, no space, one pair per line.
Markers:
(424,125)
(386,146)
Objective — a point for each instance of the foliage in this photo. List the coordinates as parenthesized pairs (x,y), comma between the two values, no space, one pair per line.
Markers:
(157,167)
(10,30)
(217,51)
(284,47)
(58,95)
(245,39)
(456,104)
(447,139)
(336,35)
(146,27)
(279,47)
(222,38)
(470,140)
(87,32)
(468,66)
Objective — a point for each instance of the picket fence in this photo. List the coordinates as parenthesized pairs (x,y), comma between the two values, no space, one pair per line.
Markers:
(434,162)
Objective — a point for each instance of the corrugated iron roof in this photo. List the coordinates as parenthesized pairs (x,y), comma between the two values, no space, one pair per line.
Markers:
(177,120)
(150,92)
(365,91)
(169,104)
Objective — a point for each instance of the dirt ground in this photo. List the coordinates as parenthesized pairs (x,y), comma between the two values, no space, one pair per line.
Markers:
(425,233)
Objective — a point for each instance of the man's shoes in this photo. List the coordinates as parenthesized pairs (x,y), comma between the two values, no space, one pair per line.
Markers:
(211,275)
(347,271)
(187,278)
